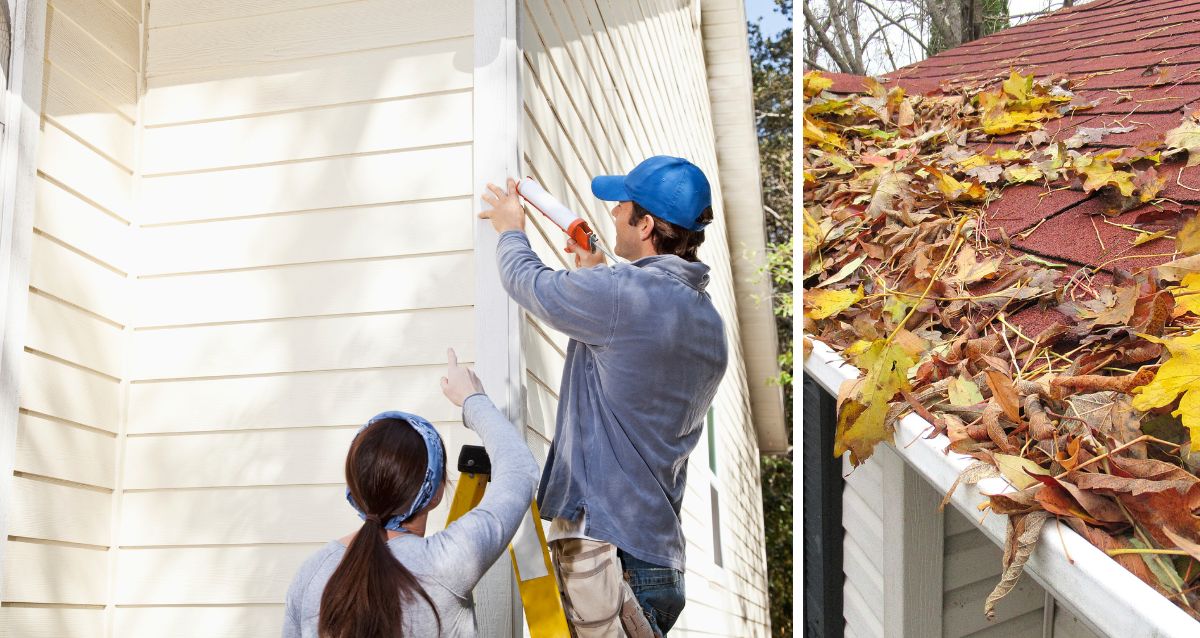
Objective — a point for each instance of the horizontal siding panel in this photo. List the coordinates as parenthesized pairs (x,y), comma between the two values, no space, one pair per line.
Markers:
(60,512)
(84,170)
(66,452)
(54,574)
(309,185)
(62,391)
(50,622)
(956,523)
(541,409)
(862,570)
(330,343)
(199,622)
(76,108)
(281,401)
(594,98)
(74,278)
(863,524)
(963,607)
(308,290)
(341,130)
(267,457)
(68,333)
(209,575)
(861,617)
(169,13)
(1066,625)
(116,30)
(1027,626)
(72,220)
(541,358)
(348,233)
(73,50)
(309,32)
(969,558)
(285,514)
(352,77)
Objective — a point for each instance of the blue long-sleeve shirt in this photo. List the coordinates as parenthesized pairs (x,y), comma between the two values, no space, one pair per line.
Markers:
(646,354)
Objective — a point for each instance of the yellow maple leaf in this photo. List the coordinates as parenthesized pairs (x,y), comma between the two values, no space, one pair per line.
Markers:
(1018,86)
(1018,174)
(973,161)
(1008,155)
(861,417)
(954,189)
(814,83)
(1098,172)
(1189,296)
(1178,377)
(1005,122)
(814,132)
(1186,136)
(827,303)
(1187,240)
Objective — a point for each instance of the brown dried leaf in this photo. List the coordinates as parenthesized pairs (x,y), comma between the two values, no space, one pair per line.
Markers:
(973,474)
(1023,533)
(1100,383)
(1005,394)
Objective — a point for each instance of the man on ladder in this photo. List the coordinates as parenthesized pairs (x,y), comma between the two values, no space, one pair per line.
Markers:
(647,351)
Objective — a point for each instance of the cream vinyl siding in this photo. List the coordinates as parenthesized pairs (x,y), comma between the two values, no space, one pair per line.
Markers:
(882,530)
(58,554)
(304,256)
(606,84)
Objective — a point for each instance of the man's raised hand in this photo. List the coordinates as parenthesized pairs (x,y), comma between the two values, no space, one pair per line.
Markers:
(583,257)
(505,212)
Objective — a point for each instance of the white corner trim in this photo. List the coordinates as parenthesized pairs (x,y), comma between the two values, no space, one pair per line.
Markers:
(497,130)
(1092,586)
(496,113)
(22,106)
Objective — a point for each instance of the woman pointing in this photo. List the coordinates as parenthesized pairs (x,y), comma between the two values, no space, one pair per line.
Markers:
(389,578)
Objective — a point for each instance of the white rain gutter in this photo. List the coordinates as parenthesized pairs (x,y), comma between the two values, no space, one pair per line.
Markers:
(1097,590)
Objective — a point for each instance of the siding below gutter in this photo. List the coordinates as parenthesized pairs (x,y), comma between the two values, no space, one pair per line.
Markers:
(1105,597)
(727,58)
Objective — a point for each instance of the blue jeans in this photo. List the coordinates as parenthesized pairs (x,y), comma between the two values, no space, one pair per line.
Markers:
(658,589)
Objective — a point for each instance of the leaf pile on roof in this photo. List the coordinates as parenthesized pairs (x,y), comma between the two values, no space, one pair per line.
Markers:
(1093,420)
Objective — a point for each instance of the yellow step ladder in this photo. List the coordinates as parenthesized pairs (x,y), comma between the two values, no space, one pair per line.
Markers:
(530,556)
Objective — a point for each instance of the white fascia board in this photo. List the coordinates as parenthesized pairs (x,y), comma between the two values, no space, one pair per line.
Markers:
(1097,590)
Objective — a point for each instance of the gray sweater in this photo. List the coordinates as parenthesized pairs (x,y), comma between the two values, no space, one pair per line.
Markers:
(448,563)
(646,355)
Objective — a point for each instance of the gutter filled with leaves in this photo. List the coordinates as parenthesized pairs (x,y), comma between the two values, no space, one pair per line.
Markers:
(1094,420)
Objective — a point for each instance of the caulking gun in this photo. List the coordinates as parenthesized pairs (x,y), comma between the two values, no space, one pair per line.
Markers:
(573,225)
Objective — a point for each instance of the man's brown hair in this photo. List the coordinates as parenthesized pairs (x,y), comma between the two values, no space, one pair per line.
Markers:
(672,239)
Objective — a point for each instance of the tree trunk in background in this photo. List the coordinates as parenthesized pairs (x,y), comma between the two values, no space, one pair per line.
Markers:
(954,22)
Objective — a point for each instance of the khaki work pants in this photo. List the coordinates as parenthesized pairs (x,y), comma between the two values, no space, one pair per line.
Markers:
(597,600)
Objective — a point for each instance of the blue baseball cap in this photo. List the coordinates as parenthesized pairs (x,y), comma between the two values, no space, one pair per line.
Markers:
(671,188)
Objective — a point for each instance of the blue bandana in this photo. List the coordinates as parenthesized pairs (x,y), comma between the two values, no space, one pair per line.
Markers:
(433,472)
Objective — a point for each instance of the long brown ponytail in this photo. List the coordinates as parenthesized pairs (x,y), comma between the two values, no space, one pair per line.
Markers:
(368,592)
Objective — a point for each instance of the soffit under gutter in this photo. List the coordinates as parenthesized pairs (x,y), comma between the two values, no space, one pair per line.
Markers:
(727,58)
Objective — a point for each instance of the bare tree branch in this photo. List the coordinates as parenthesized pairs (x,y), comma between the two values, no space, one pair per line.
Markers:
(887,18)
(814,27)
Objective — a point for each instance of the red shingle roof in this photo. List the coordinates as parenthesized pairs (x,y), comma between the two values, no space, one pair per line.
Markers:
(1141,60)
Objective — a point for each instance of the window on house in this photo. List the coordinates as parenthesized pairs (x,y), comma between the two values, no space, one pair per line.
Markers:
(714,485)
(716,522)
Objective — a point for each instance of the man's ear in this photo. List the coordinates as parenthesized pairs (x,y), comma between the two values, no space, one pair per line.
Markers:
(645,226)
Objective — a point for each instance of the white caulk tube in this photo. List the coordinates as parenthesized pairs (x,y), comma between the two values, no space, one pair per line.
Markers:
(571,224)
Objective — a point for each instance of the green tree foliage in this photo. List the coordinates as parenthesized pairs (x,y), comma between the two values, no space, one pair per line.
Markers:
(771,60)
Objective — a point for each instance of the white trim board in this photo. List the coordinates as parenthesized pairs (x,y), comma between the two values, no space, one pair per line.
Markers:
(22,107)
(1102,594)
(496,113)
